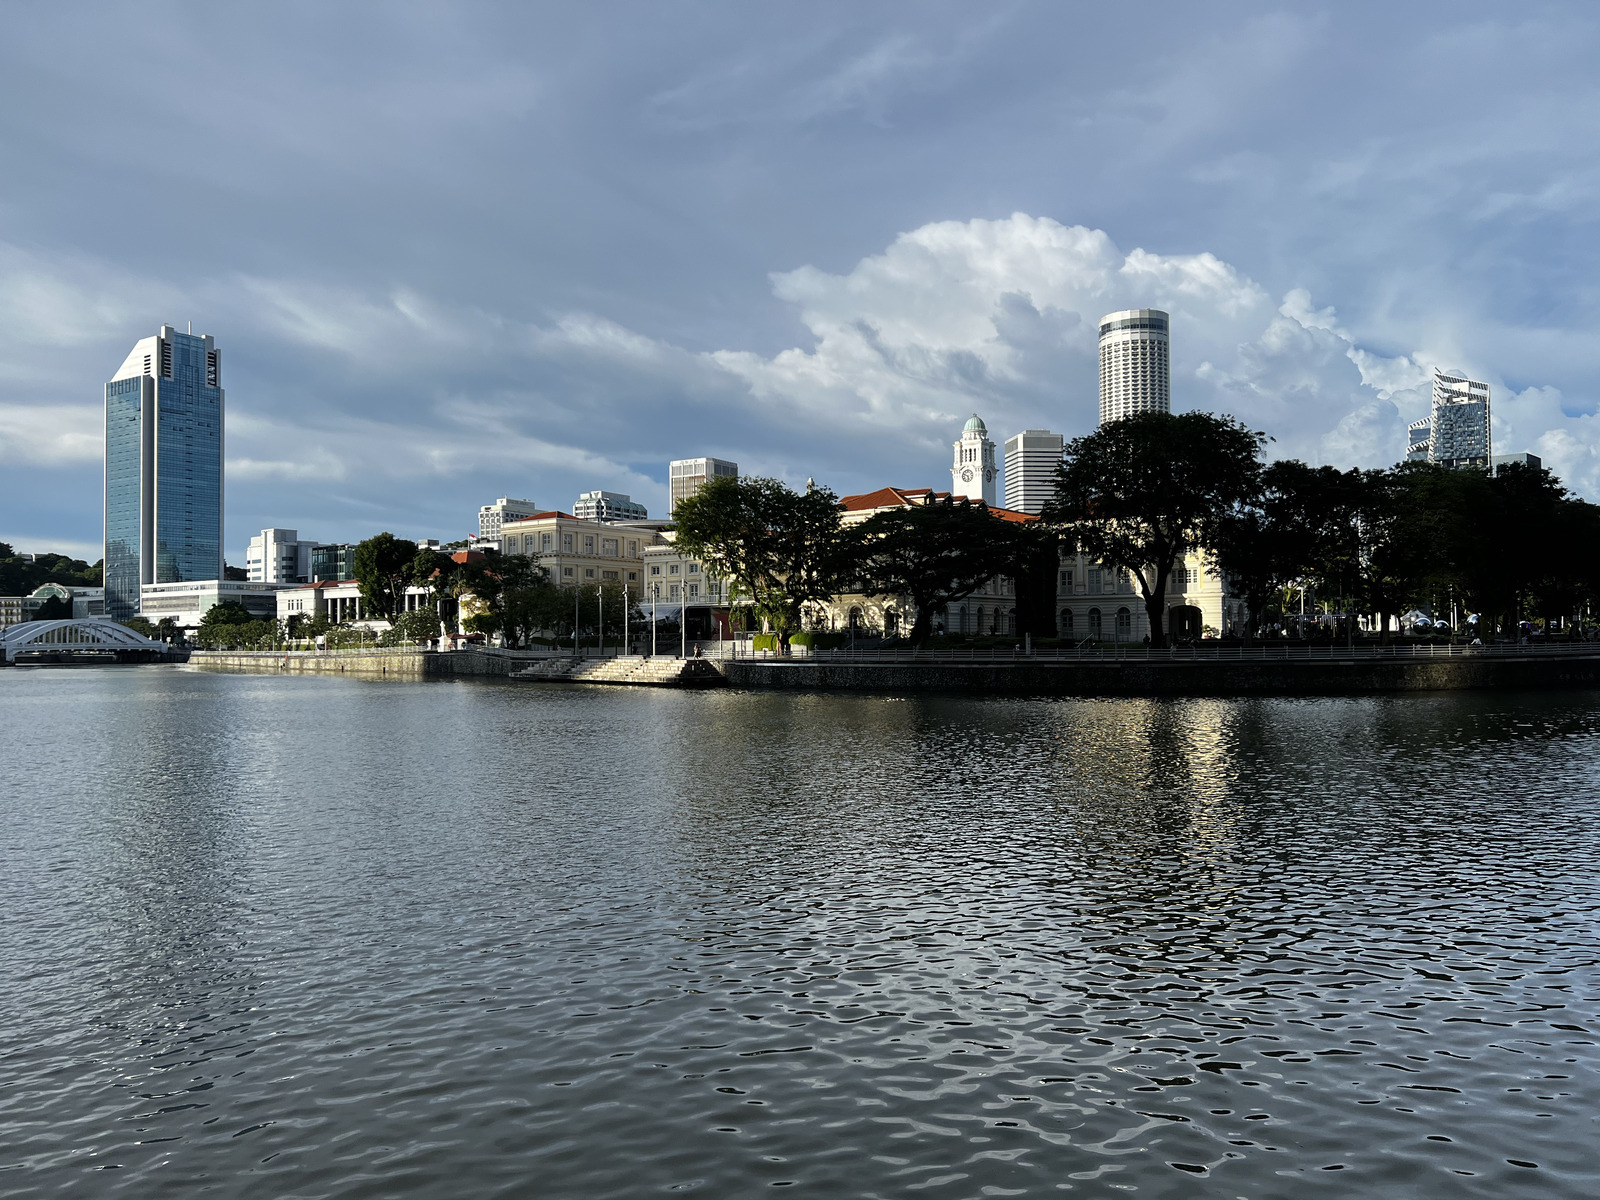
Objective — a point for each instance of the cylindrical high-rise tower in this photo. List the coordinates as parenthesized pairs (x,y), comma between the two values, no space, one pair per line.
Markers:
(1134,364)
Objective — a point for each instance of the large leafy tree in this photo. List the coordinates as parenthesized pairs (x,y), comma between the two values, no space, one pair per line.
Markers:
(382,567)
(780,548)
(933,554)
(1140,492)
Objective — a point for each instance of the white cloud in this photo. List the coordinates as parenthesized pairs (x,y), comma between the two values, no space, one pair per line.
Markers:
(51,435)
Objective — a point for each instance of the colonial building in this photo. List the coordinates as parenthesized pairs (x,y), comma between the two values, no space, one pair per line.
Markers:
(579,552)
(989,611)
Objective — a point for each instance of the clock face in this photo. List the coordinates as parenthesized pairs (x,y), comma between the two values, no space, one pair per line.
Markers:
(966,474)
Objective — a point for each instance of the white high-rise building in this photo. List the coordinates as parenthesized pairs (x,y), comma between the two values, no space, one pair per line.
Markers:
(973,470)
(279,556)
(686,476)
(609,506)
(1135,364)
(492,516)
(1031,461)
(1457,432)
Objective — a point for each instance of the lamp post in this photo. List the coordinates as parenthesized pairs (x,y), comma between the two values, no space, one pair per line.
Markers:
(600,611)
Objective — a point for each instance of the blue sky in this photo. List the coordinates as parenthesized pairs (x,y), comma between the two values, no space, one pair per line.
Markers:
(455,252)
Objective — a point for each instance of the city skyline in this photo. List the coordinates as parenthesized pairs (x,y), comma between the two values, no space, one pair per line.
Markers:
(763,252)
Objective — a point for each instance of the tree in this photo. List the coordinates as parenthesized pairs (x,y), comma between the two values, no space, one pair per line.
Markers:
(228,612)
(1140,492)
(933,554)
(235,574)
(382,565)
(780,548)
(141,626)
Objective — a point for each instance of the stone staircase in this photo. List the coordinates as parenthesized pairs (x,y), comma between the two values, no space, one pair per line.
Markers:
(627,669)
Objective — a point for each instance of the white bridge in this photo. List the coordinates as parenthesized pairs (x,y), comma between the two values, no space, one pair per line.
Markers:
(86,640)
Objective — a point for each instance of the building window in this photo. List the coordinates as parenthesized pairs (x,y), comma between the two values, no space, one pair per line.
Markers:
(655,570)
(1094,623)
(547,542)
(568,573)
(609,547)
(1124,625)
(567,540)
(1066,621)
(633,577)
(673,569)
(1095,577)
(633,548)
(608,574)
(672,592)
(694,590)
(588,543)
(588,572)
(694,568)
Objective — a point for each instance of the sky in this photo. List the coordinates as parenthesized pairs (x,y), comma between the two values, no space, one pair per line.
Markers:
(454,252)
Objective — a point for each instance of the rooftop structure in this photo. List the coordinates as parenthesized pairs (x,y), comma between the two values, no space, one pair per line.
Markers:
(973,470)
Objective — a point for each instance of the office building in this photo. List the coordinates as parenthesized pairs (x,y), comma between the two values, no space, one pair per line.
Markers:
(973,469)
(492,516)
(1030,464)
(163,467)
(278,556)
(609,506)
(188,602)
(1456,433)
(333,563)
(1135,367)
(1531,461)
(686,476)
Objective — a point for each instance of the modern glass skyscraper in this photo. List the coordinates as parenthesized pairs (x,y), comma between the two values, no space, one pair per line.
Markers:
(163,497)
(1135,364)
(1457,431)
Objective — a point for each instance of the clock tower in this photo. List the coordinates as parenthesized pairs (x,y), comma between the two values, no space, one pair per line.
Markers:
(973,472)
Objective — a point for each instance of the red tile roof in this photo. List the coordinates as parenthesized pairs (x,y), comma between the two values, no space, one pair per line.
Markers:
(892,497)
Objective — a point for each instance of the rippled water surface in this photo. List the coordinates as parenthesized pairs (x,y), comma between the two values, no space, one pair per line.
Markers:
(274,937)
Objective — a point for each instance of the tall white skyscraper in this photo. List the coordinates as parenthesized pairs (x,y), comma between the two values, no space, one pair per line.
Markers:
(163,481)
(1457,432)
(1031,461)
(973,470)
(686,476)
(1135,366)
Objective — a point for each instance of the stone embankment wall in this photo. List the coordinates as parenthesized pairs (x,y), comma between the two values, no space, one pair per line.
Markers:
(1173,678)
(379,664)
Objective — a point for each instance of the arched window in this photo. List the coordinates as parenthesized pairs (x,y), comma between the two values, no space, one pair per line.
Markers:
(1124,625)
(1066,621)
(1094,623)
(856,618)
(978,624)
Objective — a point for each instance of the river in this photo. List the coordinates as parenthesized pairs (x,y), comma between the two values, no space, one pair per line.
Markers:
(313,937)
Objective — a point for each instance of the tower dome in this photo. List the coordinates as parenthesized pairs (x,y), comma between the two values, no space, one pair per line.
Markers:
(973,469)
(975,425)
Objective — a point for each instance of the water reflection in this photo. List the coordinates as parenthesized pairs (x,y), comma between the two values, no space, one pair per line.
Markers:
(431,939)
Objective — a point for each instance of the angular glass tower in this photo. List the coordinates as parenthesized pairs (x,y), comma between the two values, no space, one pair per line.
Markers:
(163,497)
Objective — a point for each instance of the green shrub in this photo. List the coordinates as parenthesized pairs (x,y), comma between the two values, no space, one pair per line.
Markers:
(766,641)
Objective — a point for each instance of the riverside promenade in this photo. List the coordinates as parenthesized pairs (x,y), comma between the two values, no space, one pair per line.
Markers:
(1199,671)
